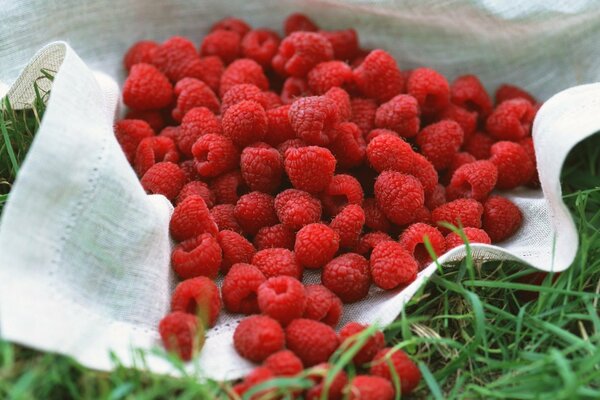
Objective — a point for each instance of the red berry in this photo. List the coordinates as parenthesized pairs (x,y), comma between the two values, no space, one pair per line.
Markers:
(298,22)
(293,89)
(367,242)
(278,235)
(146,88)
(473,181)
(439,142)
(425,172)
(328,74)
(344,43)
(196,122)
(479,146)
(239,288)
(403,368)
(436,198)
(299,52)
(509,92)
(349,146)
(152,150)
(348,277)
(413,241)
(309,168)
(473,235)
(277,262)
(374,343)
(461,212)
(236,249)
(378,76)
(255,210)
(193,93)
(319,390)
(284,363)
(232,24)
(458,161)
(258,376)
(316,244)
(430,88)
(463,117)
(341,99)
(527,144)
(261,46)
(312,341)
(222,43)
(228,187)
(374,217)
(279,128)
(176,58)
(348,224)
(190,219)
(469,93)
(214,155)
(341,191)
(189,169)
(129,133)
(241,71)
(399,196)
(140,52)
(197,188)
(313,119)
(199,256)
(322,305)
(224,217)
(245,123)
(273,100)
(390,152)
(182,334)
(501,218)
(198,296)
(363,114)
(262,167)
(366,387)
(164,178)
(400,114)
(392,266)
(241,92)
(511,120)
(290,144)
(296,208)
(282,298)
(515,168)
(257,337)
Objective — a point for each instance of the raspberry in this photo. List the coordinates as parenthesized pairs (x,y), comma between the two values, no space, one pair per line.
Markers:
(400,114)
(389,152)
(312,341)
(198,296)
(197,188)
(378,76)
(258,376)
(342,190)
(261,46)
(366,387)
(283,363)
(468,92)
(182,334)
(224,217)
(363,114)
(232,24)
(236,249)
(189,169)
(294,88)
(404,369)
(154,118)
(262,167)
(241,71)
(374,217)
(423,215)
(479,145)
(214,154)
(193,93)
(322,305)
(291,144)
(152,150)
(316,244)
(196,122)
(278,235)
(458,161)
(341,99)
(413,241)
(146,88)
(239,288)
(461,212)
(174,57)
(319,391)
(163,178)
(367,351)
(279,128)
(367,242)
(272,100)
(223,44)
(209,70)
(431,90)
(473,235)
(348,224)
(296,208)
(463,117)
(436,198)
(348,277)
(190,219)
(440,141)
(309,168)
(298,22)
(527,144)
(257,337)
(501,218)
(392,266)
(515,168)
(328,74)
(344,43)
(299,52)
(245,123)
(282,298)
(511,120)
(239,93)
(313,119)
(277,262)
(199,256)
(399,196)
(509,92)
(140,52)
(170,132)
(473,180)
(255,210)
(228,187)
(425,172)
(349,147)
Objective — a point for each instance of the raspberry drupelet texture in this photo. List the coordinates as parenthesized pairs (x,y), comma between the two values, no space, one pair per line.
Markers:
(243,70)
(284,363)
(232,24)
(509,92)
(363,114)
(275,262)
(299,52)
(255,210)
(197,188)
(154,118)
(374,343)
(257,337)
(140,52)
(399,196)
(316,244)
(176,58)
(439,142)
(199,256)
(209,70)
(312,341)
(430,88)
(279,235)
(262,167)
(236,249)
(460,212)
(181,333)
(400,114)
(261,46)
(366,387)
(349,146)
(193,93)
(200,297)
(189,169)
(368,241)
(425,172)
(229,187)
(313,119)
(328,74)
(344,43)
(515,167)
(378,76)
(463,117)
(348,224)
(413,241)
(479,145)
(214,155)
(390,152)
(468,93)
(473,235)
(224,217)
(164,178)
(473,180)
(239,288)
(375,219)
(348,277)
(527,144)
(458,161)
(290,144)
(190,219)
(273,100)
(436,198)
(293,89)
(244,91)
(279,128)
(392,266)
(146,88)
(245,123)
(511,120)
(404,368)
(501,218)
(221,43)
(322,305)
(196,122)
(282,298)
(298,22)
(318,375)
(309,168)
(152,150)
(296,208)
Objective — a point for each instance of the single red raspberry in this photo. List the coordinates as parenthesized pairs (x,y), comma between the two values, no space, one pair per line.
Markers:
(193,93)
(374,217)
(198,296)
(257,337)
(460,213)
(431,90)
(468,92)
(298,22)
(282,298)
(474,235)
(236,249)
(224,217)
(196,122)
(458,161)
(262,167)
(299,52)
(154,118)
(209,70)
(363,114)
(349,146)
(273,100)
(501,218)
(290,144)
(463,117)
(274,262)
(190,219)
(479,145)
(222,43)
(344,43)
(374,343)
(283,363)
(255,210)
(348,277)
(258,376)
(399,196)
(509,92)
(232,24)
(152,150)
(293,89)
(199,256)
(473,181)
(440,141)
(181,333)
(176,58)
(140,52)
(261,46)
(425,172)
(189,169)
(318,391)
(245,123)
(515,168)
(423,215)
(328,74)
(378,76)
(527,144)
(348,224)
(279,235)
(215,155)
(436,198)
(511,120)
(392,266)
(316,244)
(146,88)
(296,208)
(239,93)
(404,369)
(279,128)
(229,187)
(341,99)
(322,305)
(241,71)
(239,288)
(413,241)
(197,188)
(367,242)
(390,152)
(400,114)
(312,341)
(366,387)
(342,190)
(314,119)
(164,178)
(309,168)
(170,132)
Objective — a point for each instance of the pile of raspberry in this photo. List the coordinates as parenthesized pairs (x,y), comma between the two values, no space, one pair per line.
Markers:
(306,151)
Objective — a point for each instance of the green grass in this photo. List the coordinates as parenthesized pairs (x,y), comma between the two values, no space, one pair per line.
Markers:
(470,330)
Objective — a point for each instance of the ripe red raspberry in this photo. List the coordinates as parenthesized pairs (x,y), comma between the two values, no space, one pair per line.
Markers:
(239,288)
(236,249)
(152,150)
(374,217)
(314,119)
(257,337)
(199,256)
(423,215)
(328,74)
(170,132)
(298,22)
(319,390)
(154,118)
(309,168)
(322,305)
(349,146)
(425,172)
(511,120)
(431,90)
(241,71)
(296,208)
(515,168)
(299,52)
(282,298)
(190,219)
(196,122)
(232,24)
(273,100)
(468,92)
(527,144)
(224,217)
(245,123)
(279,235)
(146,88)
(348,224)
(399,196)
(366,387)
(229,187)
(413,241)
(390,152)
(193,93)
(436,198)
(274,262)
(197,188)
(461,212)
(392,266)
(501,218)
(400,114)
(262,167)
(293,89)
(164,178)
(189,169)
(244,91)
(473,181)
(290,144)
(221,43)
(458,161)
(509,92)
(474,235)
(198,296)
(214,155)
(255,210)
(479,145)
(279,128)
(140,52)
(374,343)
(367,242)
(440,141)
(207,69)
(341,99)
(312,341)
(363,114)
(316,244)
(404,368)
(348,277)
(181,333)
(261,46)
(344,43)
(463,117)
(258,376)
(283,363)
(378,76)
(341,191)
(176,58)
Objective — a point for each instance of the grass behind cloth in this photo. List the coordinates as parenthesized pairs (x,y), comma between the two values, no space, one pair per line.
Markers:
(469,331)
